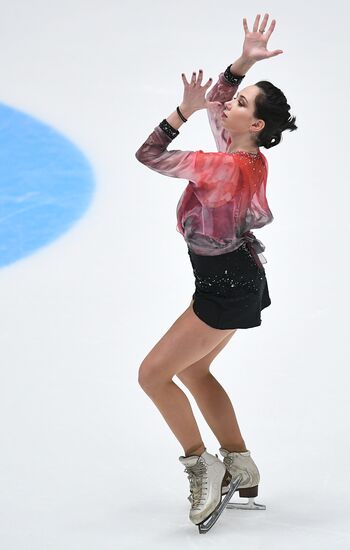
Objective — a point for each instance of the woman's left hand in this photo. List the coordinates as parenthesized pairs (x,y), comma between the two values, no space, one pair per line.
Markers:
(194,94)
(255,41)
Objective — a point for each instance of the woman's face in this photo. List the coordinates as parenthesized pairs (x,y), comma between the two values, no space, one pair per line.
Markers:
(239,112)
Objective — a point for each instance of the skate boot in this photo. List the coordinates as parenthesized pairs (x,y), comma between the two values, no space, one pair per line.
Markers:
(207,475)
(243,464)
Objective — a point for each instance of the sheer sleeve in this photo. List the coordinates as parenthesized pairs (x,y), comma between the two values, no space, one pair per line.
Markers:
(221,91)
(214,176)
(153,153)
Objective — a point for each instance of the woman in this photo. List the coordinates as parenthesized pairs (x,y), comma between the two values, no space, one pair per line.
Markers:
(224,199)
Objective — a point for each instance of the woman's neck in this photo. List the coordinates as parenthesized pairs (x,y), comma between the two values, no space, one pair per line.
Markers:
(238,149)
(245,147)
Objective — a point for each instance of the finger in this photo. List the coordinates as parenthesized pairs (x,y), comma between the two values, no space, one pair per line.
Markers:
(264,22)
(184,79)
(256,23)
(271,27)
(208,83)
(200,76)
(245,25)
(193,79)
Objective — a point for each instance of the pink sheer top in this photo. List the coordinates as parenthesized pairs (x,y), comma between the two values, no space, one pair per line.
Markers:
(226,193)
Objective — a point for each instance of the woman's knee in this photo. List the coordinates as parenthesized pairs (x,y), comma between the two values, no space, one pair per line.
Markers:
(195,373)
(149,375)
(201,369)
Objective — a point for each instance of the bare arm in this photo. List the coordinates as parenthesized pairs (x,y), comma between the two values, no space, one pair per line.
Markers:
(241,66)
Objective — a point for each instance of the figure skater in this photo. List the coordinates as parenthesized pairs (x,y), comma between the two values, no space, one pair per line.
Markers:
(224,200)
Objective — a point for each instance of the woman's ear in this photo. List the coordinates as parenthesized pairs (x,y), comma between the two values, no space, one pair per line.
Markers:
(259,124)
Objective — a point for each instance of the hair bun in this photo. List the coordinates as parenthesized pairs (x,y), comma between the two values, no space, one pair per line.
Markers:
(272,107)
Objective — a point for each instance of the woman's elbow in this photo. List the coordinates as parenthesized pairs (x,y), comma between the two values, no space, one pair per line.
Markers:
(138,155)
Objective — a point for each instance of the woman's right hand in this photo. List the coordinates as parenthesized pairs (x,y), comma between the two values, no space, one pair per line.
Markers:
(255,42)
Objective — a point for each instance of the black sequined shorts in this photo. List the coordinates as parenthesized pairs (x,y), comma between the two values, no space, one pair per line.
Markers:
(231,288)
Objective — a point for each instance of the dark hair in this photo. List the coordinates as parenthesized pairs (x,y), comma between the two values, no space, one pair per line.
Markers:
(271,106)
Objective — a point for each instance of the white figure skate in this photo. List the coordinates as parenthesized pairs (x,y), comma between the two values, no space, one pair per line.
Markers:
(243,464)
(207,475)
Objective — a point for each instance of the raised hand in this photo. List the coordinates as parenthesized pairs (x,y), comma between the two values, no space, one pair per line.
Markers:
(194,94)
(255,42)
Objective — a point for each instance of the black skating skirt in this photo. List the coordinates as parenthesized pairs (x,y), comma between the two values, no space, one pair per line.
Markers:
(231,288)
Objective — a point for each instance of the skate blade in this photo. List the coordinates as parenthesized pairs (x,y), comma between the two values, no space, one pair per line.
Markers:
(250,505)
(205,527)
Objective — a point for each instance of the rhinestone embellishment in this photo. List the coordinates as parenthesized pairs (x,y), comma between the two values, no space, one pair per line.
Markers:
(168,129)
(235,80)
(221,283)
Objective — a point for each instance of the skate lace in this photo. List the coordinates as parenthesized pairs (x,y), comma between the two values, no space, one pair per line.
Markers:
(196,473)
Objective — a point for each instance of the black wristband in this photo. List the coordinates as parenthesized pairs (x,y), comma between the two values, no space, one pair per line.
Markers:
(168,129)
(235,80)
(181,115)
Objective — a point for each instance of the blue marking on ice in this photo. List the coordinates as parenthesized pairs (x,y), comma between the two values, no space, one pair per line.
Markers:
(46,184)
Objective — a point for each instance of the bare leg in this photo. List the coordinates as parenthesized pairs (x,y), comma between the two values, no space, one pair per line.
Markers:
(212,399)
(176,410)
(217,409)
(185,343)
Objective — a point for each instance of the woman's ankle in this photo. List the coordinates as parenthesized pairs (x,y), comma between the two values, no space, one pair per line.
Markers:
(196,451)
(235,447)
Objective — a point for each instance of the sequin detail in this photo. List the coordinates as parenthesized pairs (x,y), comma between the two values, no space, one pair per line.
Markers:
(246,153)
(235,80)
(224,282)
(168,129)
(221,284)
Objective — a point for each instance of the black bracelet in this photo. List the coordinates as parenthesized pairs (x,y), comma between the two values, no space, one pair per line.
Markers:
(168,129)
(235,80)
(181,115)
